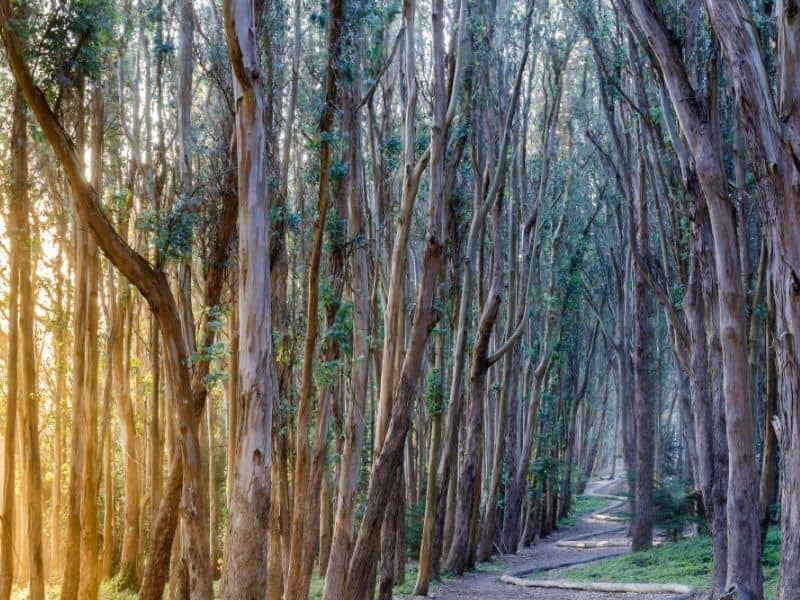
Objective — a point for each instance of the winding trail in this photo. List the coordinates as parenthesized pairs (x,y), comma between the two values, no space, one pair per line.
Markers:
(595,536)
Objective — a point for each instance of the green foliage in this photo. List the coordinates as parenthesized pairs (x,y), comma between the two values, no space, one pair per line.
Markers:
(391,150)
(336,228)
(217,351)
(216,318)
(170,232)
(317,586)
(544,465)
(433,392)
(325,372)
(119,203)
(74,41)
(341,330)
(338,170)
(319,15)
(676,295)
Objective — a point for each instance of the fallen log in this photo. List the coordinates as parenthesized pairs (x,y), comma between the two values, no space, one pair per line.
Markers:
(592,544)
(604,517)
(594,534)
(598,586)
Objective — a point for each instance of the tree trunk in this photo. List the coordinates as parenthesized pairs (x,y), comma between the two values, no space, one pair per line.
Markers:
(642,526)
(594,449)
(89,582)
(355,421)
(12,365)
(166,521)
(506,430)
(517,487)
(120,308)
(106,565)
(769,456)
(424,567)
(213,496)
(245,568)
(56,553)
(325,523)
(773,139)
(297,583)
(154,434)
(29,408)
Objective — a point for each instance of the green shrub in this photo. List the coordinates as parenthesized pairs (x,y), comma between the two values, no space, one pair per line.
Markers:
(673,509)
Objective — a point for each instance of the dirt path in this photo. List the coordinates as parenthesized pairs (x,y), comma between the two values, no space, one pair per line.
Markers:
(546,554)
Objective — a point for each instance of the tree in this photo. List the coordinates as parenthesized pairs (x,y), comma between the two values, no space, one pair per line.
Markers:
(245,570)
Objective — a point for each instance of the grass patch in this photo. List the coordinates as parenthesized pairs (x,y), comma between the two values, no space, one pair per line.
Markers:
(686,561)
(111,590)
(492,566)
(316,587)
(583,505)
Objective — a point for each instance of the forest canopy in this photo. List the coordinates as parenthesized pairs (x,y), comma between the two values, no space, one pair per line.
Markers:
(331,299)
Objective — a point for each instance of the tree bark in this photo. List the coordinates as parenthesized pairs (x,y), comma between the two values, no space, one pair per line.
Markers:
(642,526)
(245,568)
(12,365)
(458,557)
(425,559)
(129,566)
(769,457)
(89,582)
(166,521)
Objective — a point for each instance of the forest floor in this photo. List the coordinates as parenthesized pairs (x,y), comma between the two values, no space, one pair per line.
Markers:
(546,555)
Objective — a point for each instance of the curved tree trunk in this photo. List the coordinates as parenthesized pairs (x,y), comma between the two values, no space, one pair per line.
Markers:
(772,134)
